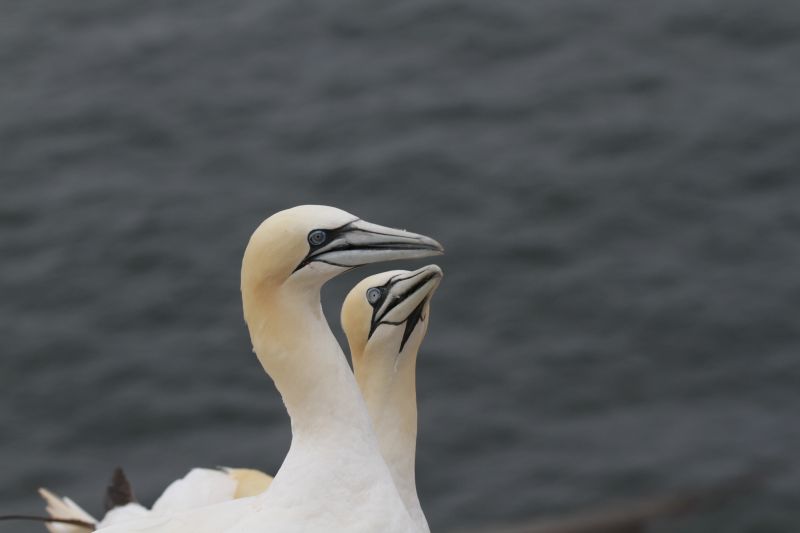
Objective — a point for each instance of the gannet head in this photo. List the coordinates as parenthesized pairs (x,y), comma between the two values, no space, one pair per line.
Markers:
(311,244)
(387,312)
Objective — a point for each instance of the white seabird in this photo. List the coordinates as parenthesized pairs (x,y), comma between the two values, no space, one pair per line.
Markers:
(385,318)
(199,488)
(333,478)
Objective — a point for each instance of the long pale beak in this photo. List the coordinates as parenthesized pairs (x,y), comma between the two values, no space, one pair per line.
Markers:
(404,298)
(360,243)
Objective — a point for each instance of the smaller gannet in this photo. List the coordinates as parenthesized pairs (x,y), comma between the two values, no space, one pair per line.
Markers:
(385,318)
(199,488)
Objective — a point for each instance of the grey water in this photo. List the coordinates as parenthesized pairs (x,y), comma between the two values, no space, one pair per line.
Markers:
(616,184)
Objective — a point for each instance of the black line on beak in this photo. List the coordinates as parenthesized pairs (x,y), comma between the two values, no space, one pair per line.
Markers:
(414,316)
(330,234)
(317,252)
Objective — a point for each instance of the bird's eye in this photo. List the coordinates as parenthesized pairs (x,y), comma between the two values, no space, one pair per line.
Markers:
(317,237)
(374,295)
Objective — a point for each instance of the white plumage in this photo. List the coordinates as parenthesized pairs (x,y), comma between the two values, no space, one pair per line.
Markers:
(334,478)
(200,487)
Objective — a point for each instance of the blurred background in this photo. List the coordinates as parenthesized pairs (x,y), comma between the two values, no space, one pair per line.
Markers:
(616,184)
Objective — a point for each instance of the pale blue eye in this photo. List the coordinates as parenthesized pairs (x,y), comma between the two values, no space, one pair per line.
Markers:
(374,295)
(317,237)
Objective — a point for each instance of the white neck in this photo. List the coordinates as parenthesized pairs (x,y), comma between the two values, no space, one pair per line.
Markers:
(334,466)
(388,383)
(296,347)
(333,476)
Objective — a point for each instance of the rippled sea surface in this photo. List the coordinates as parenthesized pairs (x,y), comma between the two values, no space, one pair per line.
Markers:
(617,185)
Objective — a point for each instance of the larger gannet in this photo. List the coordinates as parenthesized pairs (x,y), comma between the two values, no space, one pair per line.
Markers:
(333,478)
(385,318)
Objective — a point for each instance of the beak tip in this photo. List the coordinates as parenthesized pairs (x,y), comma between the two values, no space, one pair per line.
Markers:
(432,271)
(434,245)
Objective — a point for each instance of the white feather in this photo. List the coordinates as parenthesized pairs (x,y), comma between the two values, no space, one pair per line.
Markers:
(123,513)
(200,487)
(334,478)
(58,507)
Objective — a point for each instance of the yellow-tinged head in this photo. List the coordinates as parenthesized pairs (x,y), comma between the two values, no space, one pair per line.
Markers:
(387,313)
(311,244)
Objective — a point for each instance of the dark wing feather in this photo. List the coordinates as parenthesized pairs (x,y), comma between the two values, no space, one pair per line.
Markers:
(119,492)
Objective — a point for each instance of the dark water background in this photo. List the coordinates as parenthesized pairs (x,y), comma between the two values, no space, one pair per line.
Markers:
(616,184)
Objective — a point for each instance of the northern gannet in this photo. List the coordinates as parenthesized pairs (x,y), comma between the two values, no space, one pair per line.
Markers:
(333,478)
(385,318)
(198,488)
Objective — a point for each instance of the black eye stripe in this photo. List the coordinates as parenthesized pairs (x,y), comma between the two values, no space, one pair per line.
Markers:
(373,323)
(330,235)
(378,306)
(396,301)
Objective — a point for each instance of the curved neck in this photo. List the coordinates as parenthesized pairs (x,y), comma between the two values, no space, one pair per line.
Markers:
(296,347)
(334,456)
(388,384)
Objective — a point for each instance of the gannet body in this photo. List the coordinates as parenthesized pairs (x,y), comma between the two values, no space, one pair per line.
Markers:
(249,481)
(333,478)
(385,320)
(121,506)
(199,488)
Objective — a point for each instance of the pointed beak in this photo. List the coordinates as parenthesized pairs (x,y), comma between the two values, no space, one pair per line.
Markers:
(360,243)
(405,295)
